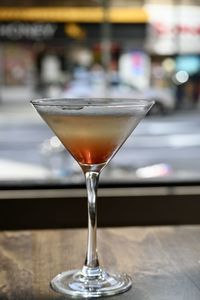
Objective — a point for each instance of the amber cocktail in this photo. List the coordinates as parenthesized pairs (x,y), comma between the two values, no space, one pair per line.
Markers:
(92,130)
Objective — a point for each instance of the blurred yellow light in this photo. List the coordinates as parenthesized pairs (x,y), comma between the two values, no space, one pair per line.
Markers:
(73,14)
(169,65)
(75,31)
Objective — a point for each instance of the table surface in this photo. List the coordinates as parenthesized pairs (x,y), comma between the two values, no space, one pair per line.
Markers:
(164,262)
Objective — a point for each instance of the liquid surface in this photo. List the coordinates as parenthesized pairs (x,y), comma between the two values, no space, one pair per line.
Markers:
(92,139)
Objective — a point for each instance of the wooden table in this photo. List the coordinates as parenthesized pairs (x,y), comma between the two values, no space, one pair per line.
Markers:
(164,262)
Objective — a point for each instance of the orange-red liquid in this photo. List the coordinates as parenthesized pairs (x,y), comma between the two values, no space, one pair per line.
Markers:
(92,139)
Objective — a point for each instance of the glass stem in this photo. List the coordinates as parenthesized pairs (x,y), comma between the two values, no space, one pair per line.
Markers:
(91,266)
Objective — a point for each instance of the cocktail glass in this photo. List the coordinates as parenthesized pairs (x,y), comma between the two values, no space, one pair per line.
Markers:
(92,130)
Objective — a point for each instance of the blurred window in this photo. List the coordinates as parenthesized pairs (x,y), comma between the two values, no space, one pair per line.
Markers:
(136,55)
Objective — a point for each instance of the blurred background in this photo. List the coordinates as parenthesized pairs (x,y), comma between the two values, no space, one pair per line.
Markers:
(116,48)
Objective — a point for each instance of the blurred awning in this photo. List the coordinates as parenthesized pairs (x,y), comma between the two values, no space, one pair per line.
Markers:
(73,14)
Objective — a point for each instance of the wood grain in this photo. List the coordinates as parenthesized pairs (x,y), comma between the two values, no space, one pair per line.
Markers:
(164,262)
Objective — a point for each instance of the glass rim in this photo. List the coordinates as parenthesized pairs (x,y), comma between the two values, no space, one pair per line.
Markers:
(93,102)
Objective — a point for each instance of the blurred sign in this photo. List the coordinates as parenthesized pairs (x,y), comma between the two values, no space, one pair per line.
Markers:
(134,69)
(27,31)
(65,32)
(177,30)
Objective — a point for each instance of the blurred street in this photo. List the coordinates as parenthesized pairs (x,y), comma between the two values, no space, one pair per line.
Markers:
(162,147)
(104,49)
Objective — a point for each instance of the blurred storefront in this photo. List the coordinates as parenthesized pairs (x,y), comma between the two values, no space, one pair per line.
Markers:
(173,43)
(43,45)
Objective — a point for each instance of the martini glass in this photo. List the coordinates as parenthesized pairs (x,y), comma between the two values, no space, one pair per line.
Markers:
(92,130)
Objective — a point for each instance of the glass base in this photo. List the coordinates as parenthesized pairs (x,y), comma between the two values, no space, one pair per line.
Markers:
(75,284)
